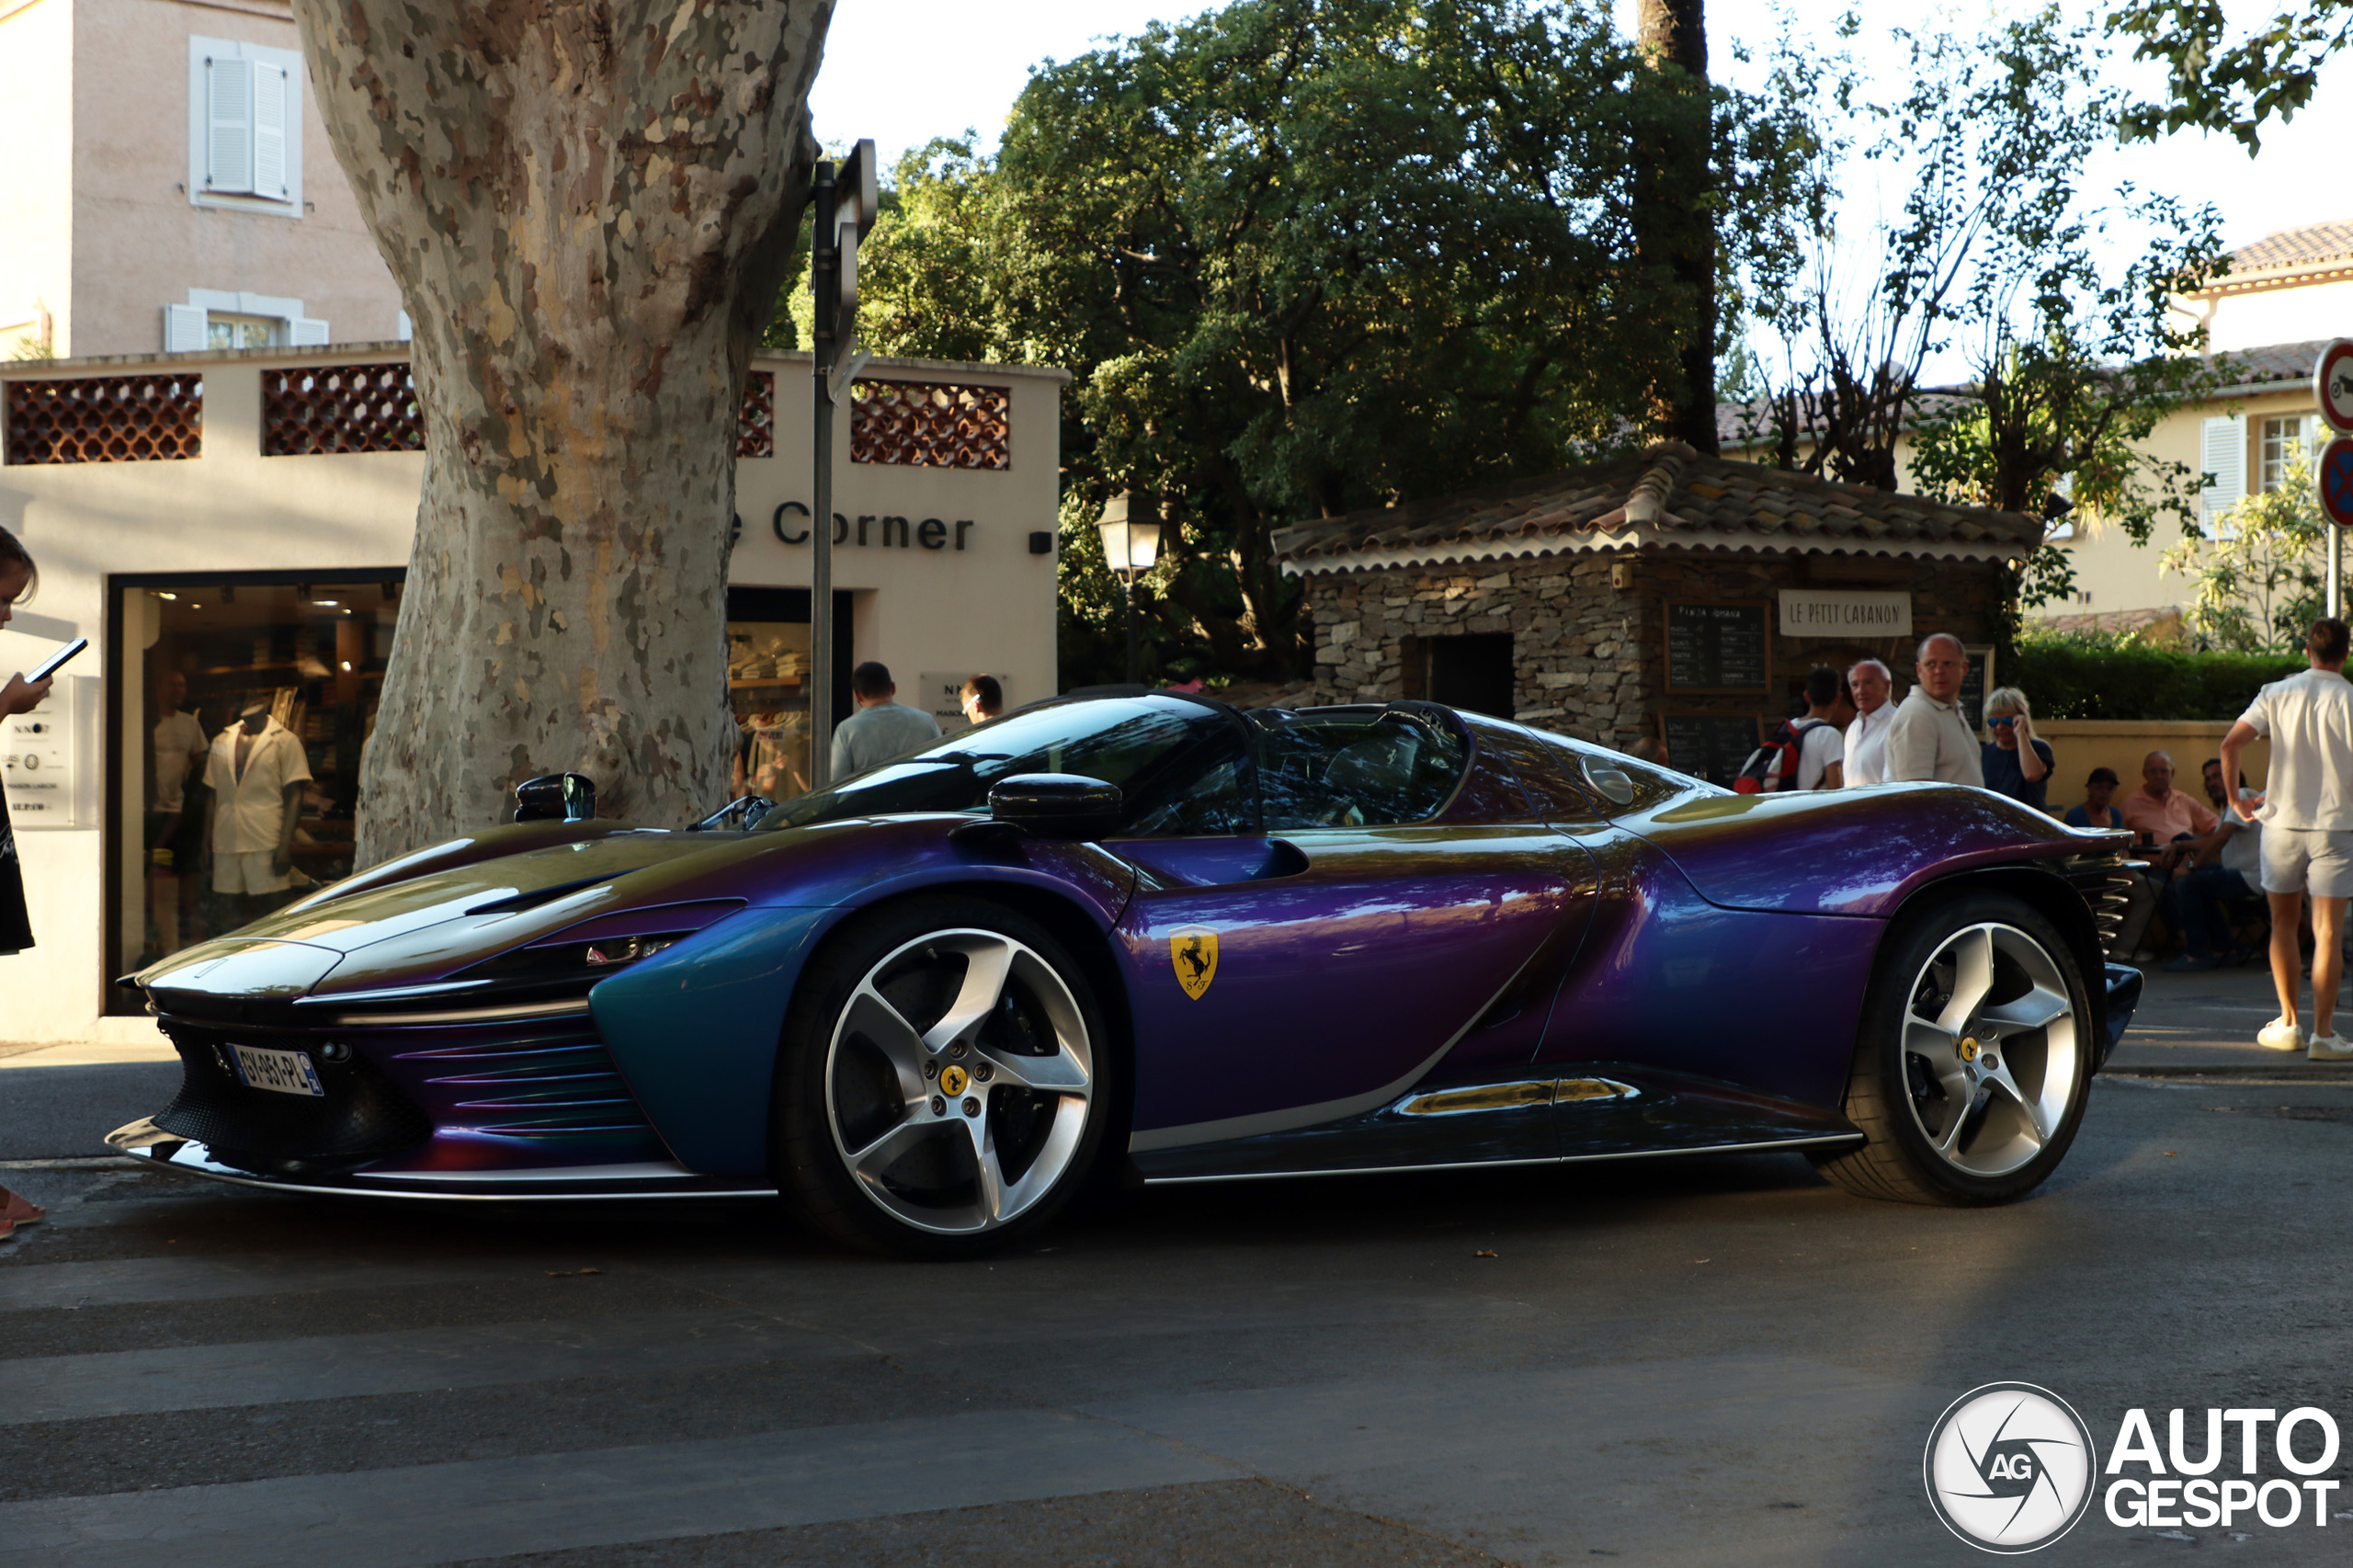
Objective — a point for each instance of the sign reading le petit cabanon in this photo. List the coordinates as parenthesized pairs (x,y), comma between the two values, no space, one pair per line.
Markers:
(1844,612)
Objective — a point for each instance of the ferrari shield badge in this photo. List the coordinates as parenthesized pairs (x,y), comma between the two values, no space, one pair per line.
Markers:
(1194,952)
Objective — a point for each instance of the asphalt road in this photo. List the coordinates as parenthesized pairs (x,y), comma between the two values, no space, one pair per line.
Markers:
(1698,1361)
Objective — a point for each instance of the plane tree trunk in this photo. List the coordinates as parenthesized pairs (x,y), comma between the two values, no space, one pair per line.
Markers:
(1675,217)
(586,207)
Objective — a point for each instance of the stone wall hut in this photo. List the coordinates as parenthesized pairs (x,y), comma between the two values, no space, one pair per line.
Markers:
(1558,600)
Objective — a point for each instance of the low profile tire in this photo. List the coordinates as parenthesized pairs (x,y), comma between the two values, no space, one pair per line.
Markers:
(943,1081)
(1974,1058)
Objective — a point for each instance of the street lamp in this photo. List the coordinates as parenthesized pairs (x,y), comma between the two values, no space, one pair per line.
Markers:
(1128,548)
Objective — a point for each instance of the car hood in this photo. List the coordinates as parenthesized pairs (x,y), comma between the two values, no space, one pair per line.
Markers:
(428,923)
(465,902)
(1848,851)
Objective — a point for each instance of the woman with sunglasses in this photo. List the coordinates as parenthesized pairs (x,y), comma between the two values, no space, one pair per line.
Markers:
(2016,763)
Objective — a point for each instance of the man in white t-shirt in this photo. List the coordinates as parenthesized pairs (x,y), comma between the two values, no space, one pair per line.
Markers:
(1822,750)
(2307,816)
(1866,749)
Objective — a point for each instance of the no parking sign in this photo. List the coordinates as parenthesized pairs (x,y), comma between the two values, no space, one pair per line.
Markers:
(2334,473)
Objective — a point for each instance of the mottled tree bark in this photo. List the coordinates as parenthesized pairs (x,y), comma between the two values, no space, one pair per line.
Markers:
(587,206)
(1675,218)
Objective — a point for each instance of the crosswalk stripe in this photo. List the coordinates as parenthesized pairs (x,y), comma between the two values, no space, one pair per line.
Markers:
(122,1282)
(272,1371)
(427,1514)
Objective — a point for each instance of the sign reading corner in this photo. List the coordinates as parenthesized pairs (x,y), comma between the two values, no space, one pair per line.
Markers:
(1844,613)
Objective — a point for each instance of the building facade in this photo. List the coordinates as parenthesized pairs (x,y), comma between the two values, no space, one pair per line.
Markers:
(2284,298)
(169,187)
(1666,594)
(232,530)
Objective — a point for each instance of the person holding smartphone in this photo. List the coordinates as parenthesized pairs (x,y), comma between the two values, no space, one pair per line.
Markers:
(17,579)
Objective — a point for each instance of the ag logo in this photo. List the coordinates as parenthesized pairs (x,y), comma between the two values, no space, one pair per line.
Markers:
(2010,1467)
(1193,950)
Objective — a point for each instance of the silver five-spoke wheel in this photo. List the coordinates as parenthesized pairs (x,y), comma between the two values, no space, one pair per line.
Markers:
(1989,1048)
(958,1081)
(1974,1051)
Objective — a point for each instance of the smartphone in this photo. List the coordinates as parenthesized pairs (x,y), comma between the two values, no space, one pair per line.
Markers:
(49,666)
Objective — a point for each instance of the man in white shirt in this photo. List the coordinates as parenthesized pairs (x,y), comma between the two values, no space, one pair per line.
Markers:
(2307,816)
(1822,751)
(255,772)
(880,729)
(1928,739)
(1866,748)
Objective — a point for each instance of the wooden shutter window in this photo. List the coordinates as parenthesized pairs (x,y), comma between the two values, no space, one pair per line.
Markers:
(2222,456)
(270,107)
(229,121)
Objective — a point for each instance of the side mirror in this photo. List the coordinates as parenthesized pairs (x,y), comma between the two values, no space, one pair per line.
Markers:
(555,797)
(1056,805)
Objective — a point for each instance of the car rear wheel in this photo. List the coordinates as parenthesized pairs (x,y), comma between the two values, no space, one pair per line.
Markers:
(943,1083)
(1974,1059)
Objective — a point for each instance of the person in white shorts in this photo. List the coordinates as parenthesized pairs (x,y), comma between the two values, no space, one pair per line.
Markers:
(2307,816)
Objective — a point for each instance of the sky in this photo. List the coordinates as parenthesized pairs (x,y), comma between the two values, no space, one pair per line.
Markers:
(905,70)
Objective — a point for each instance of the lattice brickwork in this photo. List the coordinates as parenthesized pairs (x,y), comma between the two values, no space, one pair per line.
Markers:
(930,425)
(756,424)
(106,419)
(308,410)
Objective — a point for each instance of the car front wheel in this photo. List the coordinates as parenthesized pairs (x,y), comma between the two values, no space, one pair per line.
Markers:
(1974,1058)
(944,1084)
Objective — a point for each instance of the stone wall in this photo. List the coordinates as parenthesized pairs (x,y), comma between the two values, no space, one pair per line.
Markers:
(1588,656)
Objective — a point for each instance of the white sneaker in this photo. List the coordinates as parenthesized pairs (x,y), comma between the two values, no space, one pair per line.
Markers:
(2280,1035)
(2330,1048)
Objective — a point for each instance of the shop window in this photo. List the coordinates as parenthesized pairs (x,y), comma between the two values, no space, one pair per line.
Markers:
(1473,673)
(767,685)
(293,671)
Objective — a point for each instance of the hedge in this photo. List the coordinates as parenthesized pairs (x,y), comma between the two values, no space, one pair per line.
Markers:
(2073,677)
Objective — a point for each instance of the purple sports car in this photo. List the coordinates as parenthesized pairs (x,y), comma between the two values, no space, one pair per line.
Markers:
(1151,938)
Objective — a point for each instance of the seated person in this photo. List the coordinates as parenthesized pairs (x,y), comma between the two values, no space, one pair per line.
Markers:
(2098,808)
(2228,872)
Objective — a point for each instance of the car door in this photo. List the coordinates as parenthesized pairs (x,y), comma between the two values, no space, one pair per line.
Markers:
(1320,967)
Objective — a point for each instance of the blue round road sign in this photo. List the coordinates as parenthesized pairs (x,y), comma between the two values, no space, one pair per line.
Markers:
(2335,472)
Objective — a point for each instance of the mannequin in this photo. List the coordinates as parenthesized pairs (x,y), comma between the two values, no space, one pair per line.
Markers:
(176,844)
(256,772)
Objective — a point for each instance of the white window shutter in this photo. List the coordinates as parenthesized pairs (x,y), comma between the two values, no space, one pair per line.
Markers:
(2222,456)
(270,94)
(183,329)
(228,126)
(306,332)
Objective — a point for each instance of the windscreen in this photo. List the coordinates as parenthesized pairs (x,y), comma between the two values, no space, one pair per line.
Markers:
(1162,752)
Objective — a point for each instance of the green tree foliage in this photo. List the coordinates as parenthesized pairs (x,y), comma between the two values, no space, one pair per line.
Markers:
(1303,257)
(1998,252)
(2217,83)
(2262,579)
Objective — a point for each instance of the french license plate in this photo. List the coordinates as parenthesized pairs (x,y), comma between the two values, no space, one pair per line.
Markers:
(280,1071)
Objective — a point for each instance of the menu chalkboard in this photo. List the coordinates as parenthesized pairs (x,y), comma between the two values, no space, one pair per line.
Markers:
(1974,685)
(1714,647)
(1709,748)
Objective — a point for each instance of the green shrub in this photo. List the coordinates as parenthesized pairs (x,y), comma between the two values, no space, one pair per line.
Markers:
(2111,677)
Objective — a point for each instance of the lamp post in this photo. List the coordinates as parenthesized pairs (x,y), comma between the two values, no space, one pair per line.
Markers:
(1128,548)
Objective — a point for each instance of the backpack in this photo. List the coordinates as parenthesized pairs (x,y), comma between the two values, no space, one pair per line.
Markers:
(1774,765)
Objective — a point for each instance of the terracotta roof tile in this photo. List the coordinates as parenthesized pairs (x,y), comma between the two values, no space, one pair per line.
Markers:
(2310,245)
(1669,489)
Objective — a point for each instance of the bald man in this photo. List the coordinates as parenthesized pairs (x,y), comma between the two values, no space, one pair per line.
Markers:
(1928,739)
(2161,813)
